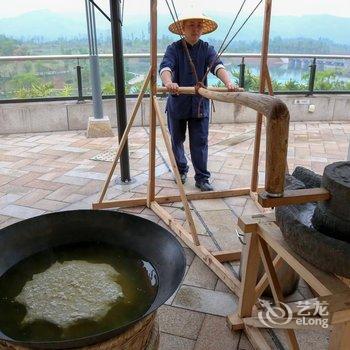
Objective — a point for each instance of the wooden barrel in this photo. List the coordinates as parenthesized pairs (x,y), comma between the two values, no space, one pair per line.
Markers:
(143,335)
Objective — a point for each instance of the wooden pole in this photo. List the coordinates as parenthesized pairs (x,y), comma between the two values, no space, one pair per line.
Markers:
(152,113)
(250,266)
(191,90)
(125,136)
(176,173)
(275,287)
(269,82)
(263,74)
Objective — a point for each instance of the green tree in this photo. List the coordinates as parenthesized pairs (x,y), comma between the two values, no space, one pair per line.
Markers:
(108,88)
(24,80)
(67,90)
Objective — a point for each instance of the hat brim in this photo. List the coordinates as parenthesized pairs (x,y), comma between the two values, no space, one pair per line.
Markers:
(208,25)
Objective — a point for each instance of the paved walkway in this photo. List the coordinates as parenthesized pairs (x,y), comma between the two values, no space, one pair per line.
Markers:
(41,173)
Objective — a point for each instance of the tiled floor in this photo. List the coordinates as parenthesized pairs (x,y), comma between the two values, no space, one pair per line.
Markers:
(48,172)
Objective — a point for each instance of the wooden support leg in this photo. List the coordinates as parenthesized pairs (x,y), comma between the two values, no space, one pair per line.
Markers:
(264,281)
(176,173)
(270,89)
(268,81)
(219,269)
(152,114)
(250,266)
(256,154)
(125,136)
(263,66)
(340,337)
(275,287)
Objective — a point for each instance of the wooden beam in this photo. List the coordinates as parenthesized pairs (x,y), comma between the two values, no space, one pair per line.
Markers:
(268,81)
(261,103)
(121,203)
(339,339)
(254,197)
(256,338)
(205,195)
(279,323)
(322,282)
(275,287)
(249,223)
(294,197)
(219,269)
(176,172)
(338,307)
(227,255)
(234,322)
(152,112)
(125,135)
(250,266)
(135,202)
(264,281)
(190,90)
(263,68)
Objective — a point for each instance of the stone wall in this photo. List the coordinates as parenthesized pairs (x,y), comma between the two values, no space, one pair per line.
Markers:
(69,115)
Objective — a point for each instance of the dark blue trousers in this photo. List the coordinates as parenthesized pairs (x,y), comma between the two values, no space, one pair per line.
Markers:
(198,129)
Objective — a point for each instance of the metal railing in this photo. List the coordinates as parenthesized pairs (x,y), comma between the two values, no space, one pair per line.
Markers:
(313,58)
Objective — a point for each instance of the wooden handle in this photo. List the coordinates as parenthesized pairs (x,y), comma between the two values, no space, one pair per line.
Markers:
(189,90)
(277,129)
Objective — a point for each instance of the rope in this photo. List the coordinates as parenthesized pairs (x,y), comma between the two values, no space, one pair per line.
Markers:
(234,35)
(223,42)
(233,23)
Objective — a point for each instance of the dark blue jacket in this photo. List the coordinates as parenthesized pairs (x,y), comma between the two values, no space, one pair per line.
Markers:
(176,61)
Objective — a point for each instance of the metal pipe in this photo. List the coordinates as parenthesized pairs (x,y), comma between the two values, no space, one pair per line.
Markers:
(118,63)
(160,55)
(312,77)
(241,73)
(94,63)
(79,83)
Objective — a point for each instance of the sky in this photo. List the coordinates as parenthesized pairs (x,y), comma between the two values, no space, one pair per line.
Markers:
(279,7)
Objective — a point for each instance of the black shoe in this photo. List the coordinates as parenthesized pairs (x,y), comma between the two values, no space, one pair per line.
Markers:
(183,178)
(204,186)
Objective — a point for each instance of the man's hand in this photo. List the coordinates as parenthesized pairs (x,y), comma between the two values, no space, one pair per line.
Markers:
(232,87)
(172,87)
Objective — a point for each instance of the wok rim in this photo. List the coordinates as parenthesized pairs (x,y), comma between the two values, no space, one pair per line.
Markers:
(103,336)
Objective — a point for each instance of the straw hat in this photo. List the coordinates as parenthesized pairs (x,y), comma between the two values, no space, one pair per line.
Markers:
(192,13)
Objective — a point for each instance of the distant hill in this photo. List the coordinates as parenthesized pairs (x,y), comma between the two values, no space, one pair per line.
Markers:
(50,26)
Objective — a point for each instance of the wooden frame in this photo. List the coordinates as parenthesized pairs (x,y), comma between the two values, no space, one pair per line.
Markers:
(277,124)
(278,119)
(262,232)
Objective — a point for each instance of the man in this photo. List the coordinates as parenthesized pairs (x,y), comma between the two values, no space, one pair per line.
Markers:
(191,111)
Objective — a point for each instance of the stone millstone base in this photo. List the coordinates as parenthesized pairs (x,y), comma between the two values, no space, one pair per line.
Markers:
(295,221)
(144,335)
(99,128)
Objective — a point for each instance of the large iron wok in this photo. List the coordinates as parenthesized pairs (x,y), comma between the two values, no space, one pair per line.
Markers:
(153,242)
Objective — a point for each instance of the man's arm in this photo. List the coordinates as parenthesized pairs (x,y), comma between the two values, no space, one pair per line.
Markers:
(166,69)
(218,69)
(167,81)
(222,74)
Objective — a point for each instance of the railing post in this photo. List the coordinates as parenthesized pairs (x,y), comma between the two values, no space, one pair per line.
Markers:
(312,77)
(80,84)
(119,79)
(241,73)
